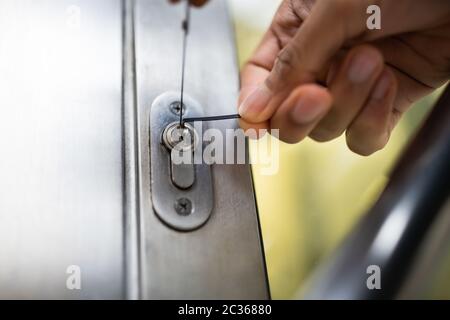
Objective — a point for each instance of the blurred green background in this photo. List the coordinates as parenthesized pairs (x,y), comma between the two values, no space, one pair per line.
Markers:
(320,190)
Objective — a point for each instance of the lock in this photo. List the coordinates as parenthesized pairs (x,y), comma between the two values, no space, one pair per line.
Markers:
(181,138)
(182,195)
(181,141)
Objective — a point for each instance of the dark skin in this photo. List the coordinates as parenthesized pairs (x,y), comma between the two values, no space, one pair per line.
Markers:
(319,71)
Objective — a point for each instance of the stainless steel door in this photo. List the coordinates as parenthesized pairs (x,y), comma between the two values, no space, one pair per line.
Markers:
(78,79)
(61,167)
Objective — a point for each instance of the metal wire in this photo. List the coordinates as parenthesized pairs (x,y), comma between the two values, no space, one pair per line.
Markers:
(185,26)
(213,118)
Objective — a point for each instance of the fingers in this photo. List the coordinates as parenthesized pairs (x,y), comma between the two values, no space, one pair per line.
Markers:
(361,86)
(252,130)
(350,88)
(360,100)
(301,112)
(316,41)
(363,92)
(302,59)
(253,76)
(370,131)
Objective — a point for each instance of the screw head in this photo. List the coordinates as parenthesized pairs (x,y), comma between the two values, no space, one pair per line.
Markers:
(183,207)
(175,108)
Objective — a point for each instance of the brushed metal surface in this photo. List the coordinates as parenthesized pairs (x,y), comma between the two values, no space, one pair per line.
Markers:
(163,192)
(130,155)
(75,166)
(61,167)
(224,258)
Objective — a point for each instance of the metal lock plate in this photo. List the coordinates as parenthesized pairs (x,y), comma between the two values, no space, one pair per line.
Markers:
(182,194)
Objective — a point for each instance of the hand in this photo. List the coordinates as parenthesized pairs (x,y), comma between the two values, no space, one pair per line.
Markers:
(320,72)
(197,3)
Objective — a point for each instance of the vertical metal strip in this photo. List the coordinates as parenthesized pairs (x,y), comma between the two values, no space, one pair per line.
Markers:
(131,156)
(223,259)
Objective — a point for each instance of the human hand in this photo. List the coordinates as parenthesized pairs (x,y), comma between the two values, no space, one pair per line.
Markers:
(320,72)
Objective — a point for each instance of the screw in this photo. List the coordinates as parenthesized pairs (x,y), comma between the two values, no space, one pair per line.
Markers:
(175,107)
(183,207)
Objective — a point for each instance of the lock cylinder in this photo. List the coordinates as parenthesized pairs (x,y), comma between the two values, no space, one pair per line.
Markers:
(181,139)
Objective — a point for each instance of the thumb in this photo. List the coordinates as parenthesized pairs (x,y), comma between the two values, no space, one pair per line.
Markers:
(330,25)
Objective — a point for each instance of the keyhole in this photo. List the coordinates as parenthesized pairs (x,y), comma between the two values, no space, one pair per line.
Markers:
(181,138)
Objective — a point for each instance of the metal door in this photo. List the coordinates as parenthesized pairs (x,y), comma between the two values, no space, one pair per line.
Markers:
(78,80)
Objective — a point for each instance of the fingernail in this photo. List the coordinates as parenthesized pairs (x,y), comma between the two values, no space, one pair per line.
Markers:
(382,87)
(255,103)
(361,68)
(308,110)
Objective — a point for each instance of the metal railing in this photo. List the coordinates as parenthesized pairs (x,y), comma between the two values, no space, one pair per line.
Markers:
(388,236)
